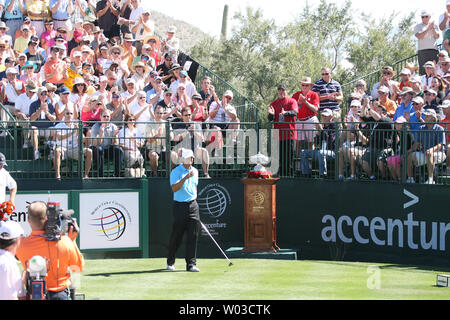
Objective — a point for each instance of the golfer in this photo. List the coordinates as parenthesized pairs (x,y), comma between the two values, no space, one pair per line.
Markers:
(184,182)
(6,181)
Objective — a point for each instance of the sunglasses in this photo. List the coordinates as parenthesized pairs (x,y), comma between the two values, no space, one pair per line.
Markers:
(187,115)
(69,113)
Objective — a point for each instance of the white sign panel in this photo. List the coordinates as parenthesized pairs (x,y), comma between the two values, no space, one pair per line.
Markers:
(109,220)
(22,202)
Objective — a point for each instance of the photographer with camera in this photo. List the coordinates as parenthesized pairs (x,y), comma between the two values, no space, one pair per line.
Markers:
(61,251)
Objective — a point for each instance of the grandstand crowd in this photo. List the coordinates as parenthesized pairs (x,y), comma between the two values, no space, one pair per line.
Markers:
(97,68)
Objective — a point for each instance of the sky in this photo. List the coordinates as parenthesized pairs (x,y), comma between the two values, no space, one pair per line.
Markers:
(207,14)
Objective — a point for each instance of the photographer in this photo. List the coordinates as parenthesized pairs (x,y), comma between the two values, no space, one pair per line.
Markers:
(60,254)
(12,287)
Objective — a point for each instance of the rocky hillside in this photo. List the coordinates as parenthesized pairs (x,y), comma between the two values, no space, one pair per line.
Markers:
(188,34)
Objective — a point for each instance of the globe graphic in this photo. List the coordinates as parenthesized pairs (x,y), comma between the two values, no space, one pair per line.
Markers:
(111,224)
(213,202)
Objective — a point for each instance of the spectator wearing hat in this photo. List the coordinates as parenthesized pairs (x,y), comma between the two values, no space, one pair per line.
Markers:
(413,68)
(428,148)
(171,44)
(430,102)
(427,33)
(55,69)
(283,111)
(156,93)
(12,287)
(182,78)
(13,16)
(430,72)
(416,116)
(383,99)
(140,74)
(115,62)
(79,96)
(61,10)
(30,73)
(142,28)
(118,109)
(24,101)
(443,63)
(416,85)
(42,116)
(142,112)
(129,51)
(407,94)
(129,97)
(405,81)
(330,92)
(34,56)
(48,34)
(64,103)
(3,36)
(387,73)
(12,88)
(152,47)
(395,162)
(165,69)
(170,110)
(21,43)
(327,145)
(308,106)
(7,182)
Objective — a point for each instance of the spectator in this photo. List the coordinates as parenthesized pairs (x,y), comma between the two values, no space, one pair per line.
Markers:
(107,14)
(55,69)
(379,142)
(102,94)
(171,44)
(21,43)
(224,116)
(61,255)
(330,93)
(30,73)
(12,285)
(443,65)
(387,73)
(406,105)
(37,11)
(208,92)
(190,136)
(170,110)
(156,93)
(34,56)
(140,74)
(157,139)
(428,149)
(283,112)
(390,105)
(14,11)
(411,66)
(142,112)
(430,100)
(3,36)
(183,78)
(430,72)
(22,112)
(118,109)
(439,87)
(308,103)
(327,144)
(153,49)
(61,11)
(142,28)
(165,69)
(129,97)
(65,103)
(66,136)
(416,85)
(48,34)
(90,113)
(405,81)
(11,89)
(444,21)
(395,162)
(78,97)
(105,144)
(416,116)
(42,116)
(129,51)
(130,142)
(427,34)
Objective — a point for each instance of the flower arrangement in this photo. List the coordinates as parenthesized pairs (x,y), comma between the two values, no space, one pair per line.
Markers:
(259,174)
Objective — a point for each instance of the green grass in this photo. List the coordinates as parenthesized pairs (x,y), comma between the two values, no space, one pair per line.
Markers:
(257,279)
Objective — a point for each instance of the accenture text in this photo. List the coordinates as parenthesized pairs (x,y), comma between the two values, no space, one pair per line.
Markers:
(382,232)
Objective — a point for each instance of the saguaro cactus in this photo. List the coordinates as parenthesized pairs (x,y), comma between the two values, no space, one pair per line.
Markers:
(225,22)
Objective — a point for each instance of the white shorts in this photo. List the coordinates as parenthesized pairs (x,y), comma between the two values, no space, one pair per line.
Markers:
(419,158)
(306,130)
(69,153)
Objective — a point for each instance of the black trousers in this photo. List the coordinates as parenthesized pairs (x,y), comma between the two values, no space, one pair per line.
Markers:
(286,158)
(185,220)
(114,152)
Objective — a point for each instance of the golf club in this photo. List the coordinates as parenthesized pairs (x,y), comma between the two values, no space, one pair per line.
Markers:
(207,231)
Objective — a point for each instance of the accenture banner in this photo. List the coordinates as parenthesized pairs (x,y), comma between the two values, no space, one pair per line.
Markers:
(109,220)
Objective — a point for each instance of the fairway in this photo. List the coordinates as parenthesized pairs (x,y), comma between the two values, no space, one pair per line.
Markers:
(258,279)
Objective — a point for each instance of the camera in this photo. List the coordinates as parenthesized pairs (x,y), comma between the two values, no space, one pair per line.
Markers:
(35,278)
(58,221)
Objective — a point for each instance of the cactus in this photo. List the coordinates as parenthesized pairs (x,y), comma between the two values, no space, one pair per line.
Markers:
(225,22)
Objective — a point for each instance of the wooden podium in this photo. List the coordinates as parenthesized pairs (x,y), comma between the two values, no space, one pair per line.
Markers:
(260,215)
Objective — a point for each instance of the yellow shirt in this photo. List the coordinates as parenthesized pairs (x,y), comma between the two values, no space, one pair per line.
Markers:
(21,43)
(37,7)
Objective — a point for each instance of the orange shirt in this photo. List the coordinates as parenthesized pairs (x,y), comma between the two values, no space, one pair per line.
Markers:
(60,254)
(390,106)
(58,65)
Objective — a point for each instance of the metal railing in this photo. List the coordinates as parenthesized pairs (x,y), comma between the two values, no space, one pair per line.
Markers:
(366,151)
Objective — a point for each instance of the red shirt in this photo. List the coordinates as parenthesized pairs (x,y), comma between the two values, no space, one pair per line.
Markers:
(303,110)
(445,123)
(288,104)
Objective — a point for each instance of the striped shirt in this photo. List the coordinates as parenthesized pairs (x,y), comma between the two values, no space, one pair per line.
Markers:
(325,88)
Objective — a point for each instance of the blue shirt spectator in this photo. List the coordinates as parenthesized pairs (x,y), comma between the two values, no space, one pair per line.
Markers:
(62,12)
(326,87)
(430,138)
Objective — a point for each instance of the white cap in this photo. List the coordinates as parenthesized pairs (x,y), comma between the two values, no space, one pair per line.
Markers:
(187,153)
(11,70)
(228,93)
(326,112)
(354,103)
(405,71)
(10,230)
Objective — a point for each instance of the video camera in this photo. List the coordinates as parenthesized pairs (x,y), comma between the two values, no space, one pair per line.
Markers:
(58,221)
(35,279)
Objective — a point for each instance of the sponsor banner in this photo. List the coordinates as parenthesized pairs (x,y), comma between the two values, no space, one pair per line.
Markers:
(109,220)
(22,201)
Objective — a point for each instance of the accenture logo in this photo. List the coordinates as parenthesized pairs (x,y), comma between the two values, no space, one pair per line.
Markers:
(213,200)
(111,223)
